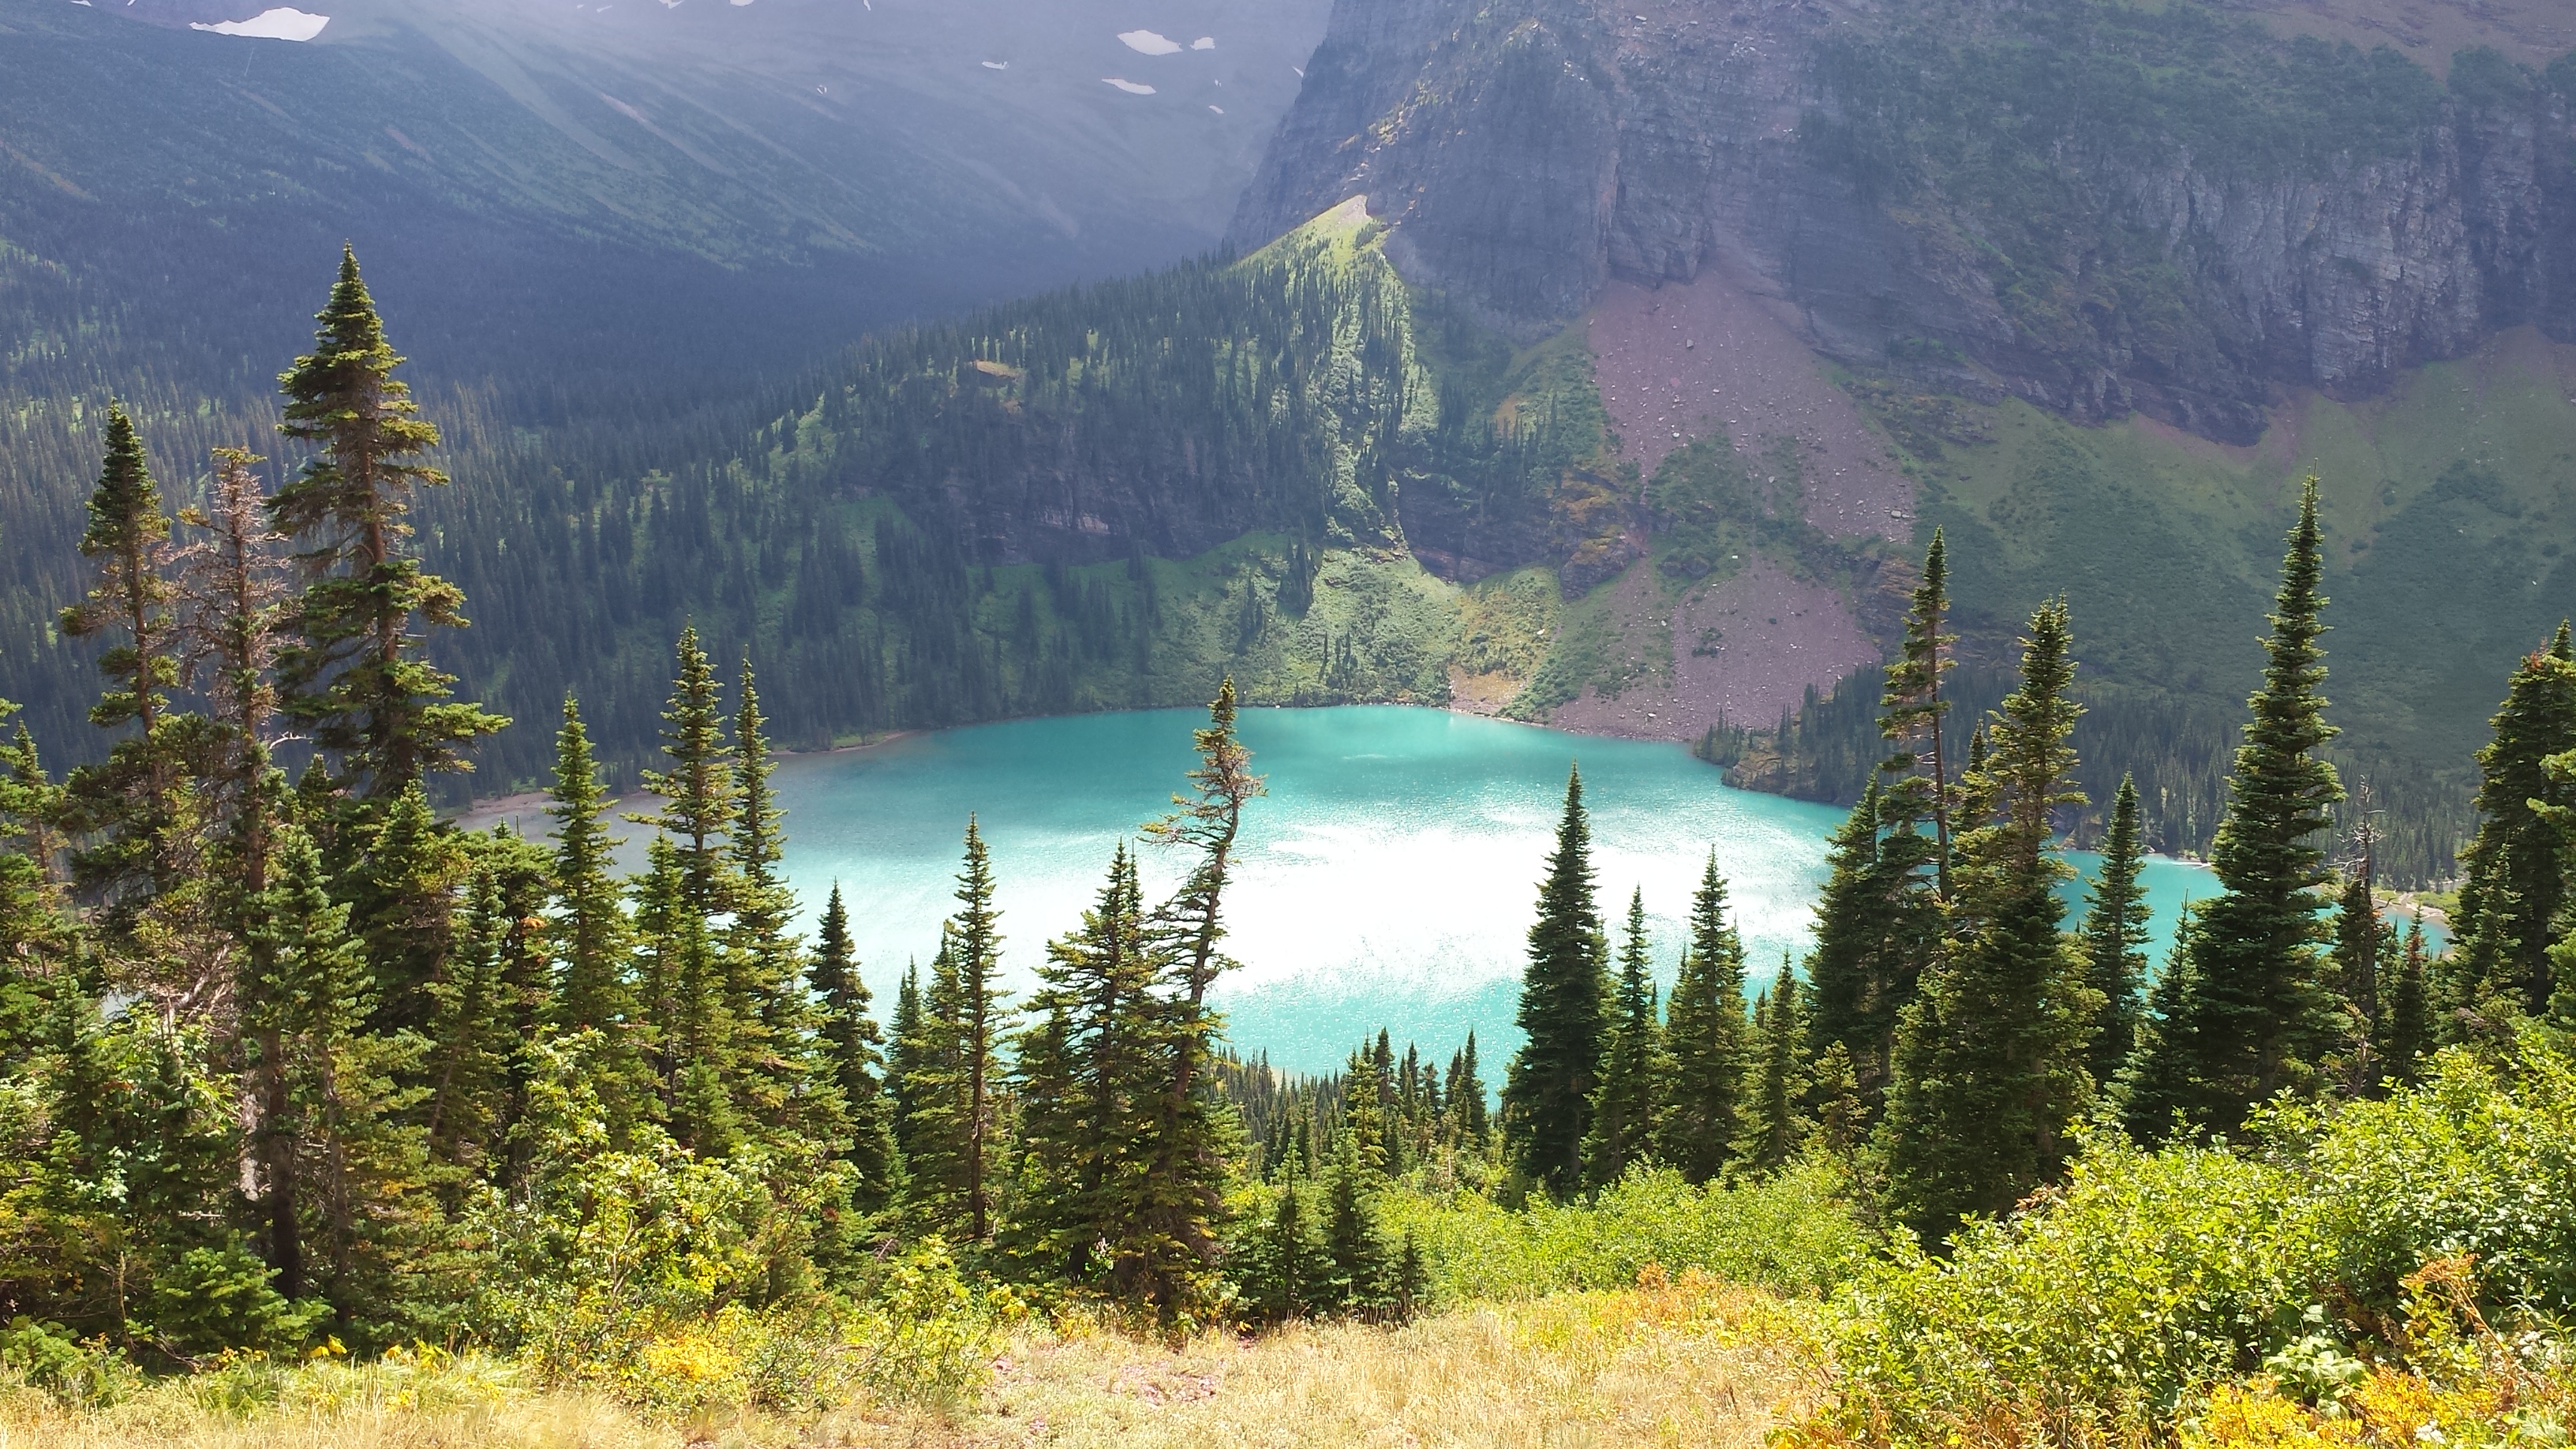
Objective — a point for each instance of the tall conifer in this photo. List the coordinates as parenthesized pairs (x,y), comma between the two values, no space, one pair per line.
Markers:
(1090,1072)
(1705,1037)
(351,672)
(1912,712)
(2514,886)
(1774,1128)
(124,804)
(595,991)
(1989,1057)
(342,1166)
(782,1087)
(1185,1199)
(2407,1024)
(1547,1094)
(1466,1093)
(2363,962)
(404,889)
(2254,1016)
(701,792)
(229,590)
(955,1076)
(851,1049)
(904,1045)
(1634,1067)
(682,902)
(2114,936)
(1867,957)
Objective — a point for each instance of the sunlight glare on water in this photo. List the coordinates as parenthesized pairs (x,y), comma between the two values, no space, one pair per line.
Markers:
(1387,879)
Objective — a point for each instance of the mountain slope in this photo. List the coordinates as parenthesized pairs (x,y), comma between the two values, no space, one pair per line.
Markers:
(2089,284)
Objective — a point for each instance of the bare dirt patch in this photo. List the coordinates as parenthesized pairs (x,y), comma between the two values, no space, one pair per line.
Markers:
(1693,359)
(1743,652)
(1484,694)
(1713,356)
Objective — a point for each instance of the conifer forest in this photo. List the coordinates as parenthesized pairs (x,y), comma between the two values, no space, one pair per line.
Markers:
(1382,722)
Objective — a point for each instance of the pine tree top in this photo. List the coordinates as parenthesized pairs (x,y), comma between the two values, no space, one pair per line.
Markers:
(125,516)
(2281,788)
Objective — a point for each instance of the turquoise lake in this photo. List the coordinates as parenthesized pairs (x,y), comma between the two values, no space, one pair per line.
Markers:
(1386,881)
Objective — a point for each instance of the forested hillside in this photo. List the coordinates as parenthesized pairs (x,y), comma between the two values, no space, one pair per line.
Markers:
(1330,480)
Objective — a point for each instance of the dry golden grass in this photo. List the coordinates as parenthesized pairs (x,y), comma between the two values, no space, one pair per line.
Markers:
(1686,1364)
(164,1420)
(1681,1364)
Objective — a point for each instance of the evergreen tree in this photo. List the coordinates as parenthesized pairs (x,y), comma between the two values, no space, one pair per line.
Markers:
(2514,882)
(851,1053)
(403,890)
(954,1077)
(1866,960)
(1911,714)
(1634,1070)
(36,937)
(701,792)
(1363,1124)
(1989,1056)
(2114,935)
(767,998)
(904,1046)
(1705,1036)
(2256,1016)
(2361,943)
(596,991)
(229,589)
(1774,1128)
(351,673)
(1833,1101)
(521,881)
(123,804)
(1090,1071)
(1185,1197)
(1466,1093)
(1361,1266)
(1547,1093)
(2408,1020)
(341,1168)
(1290,1273)
(1395,1156)
(688,891)
(680,978)
(472,1036)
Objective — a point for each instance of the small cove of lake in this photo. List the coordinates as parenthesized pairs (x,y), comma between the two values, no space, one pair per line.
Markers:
(1386,881)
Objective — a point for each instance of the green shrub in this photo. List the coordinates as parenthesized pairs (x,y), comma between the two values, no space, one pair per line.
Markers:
(1794,1232)
(80,1374)
(2109,1309)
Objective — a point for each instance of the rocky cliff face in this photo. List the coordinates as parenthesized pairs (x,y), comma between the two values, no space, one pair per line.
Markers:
(2097,209)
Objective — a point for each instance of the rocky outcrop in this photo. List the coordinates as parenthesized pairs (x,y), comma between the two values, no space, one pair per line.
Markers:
(1525,153)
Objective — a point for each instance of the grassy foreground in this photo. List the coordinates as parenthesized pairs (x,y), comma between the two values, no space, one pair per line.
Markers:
(1667,1363)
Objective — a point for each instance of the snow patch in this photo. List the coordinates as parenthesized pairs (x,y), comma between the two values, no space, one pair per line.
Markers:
(1130,87)
(1204,42)
(282,23)
(1220,110)
(988,65)
(1146,42)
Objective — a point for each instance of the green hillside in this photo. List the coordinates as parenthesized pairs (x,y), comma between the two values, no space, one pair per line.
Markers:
(1113,496)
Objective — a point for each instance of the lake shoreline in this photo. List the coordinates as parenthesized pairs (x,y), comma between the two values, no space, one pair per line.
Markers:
(483,814)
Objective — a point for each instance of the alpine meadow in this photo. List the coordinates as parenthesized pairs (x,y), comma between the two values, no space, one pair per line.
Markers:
(2080,490)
